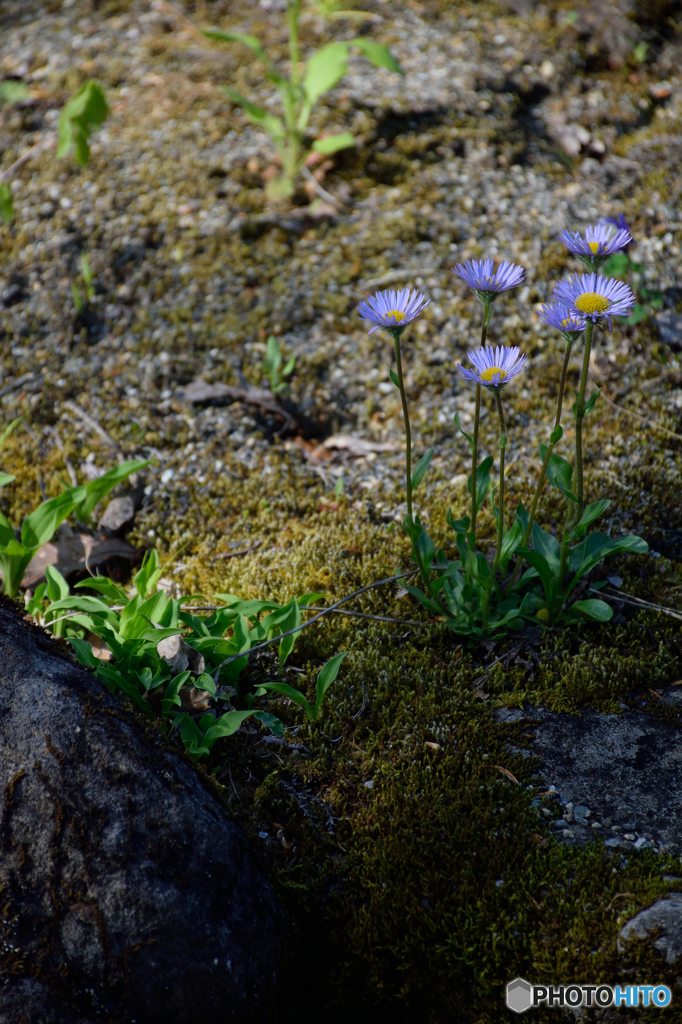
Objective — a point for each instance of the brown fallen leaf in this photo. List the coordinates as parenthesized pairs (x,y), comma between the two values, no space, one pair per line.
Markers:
(505,771)
(200,391)
(433,746)
(70,552)
(356,446)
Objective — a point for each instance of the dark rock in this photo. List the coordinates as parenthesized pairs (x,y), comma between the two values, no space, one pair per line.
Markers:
(669,325)
(12,294)
(625,768)
(127,893)
(664,915)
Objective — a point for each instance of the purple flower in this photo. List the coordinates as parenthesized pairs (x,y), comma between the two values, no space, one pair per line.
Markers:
(563,320)
(392,310)
(494,365)
(486,280)
(618,222)
(593,297)
(600,242)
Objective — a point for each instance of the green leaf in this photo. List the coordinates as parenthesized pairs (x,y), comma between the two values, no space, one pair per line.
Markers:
(6,203)
(377,54)
(559,472)
(325,68)
(86,110)
(272,125)
(226,725)
(592,512)
(325,678)
(589,403)
(252,42)
(292,621)
(542,567)
(288,691)
(83,652)
(617,265)
(5,478)
(464,434)
(548,546)
(482,481)
(594,609)
(12,91)
(427,602)
(271,722)
(106,587)
(511,541)
(420,469)
(100,487)
(38,528)
(333,143)
(556,434)
(394,377)
(57,587)
(9,429)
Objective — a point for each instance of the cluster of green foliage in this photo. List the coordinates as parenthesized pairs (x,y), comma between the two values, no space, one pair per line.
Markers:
(299,92)
(87,110)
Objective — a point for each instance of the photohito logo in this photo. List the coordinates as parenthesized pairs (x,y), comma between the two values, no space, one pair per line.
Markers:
(522,996)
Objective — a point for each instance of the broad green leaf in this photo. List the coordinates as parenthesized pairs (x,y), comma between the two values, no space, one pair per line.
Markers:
(333,143)
(377,53)
(559,472)
(83,652)
(252,42)
(305,599)
(324,70)
(592,512)
(6,203)
(5,478)
(85,111)
(292,621)
(247,608)
(271,722)
(38,528)
(57,587)
(511,541)
(482,481)
(594,609)
(427,602)
(289,691)
(589,404)
(394,377)
(272,125)
(226,725)
(100,487)
(548,546)
(325,678)
(106,587)
(541,566)
(556,434)
(420,469)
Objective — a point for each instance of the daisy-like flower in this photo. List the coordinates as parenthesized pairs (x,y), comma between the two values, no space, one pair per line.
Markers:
(593,297)
(600,242)
(487,280)
(494,365)
(392,310)
(570,325)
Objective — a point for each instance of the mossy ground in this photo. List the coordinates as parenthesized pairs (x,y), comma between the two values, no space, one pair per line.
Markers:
(423,894)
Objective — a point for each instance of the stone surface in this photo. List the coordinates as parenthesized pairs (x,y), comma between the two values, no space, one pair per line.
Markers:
(622,772)
(664,915)
(128,894)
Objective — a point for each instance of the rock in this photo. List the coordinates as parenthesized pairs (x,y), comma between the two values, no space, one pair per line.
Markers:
(669,325)
(622,768)
(71,552)
(127,892)
(118,514)
(665,914)
(180,656)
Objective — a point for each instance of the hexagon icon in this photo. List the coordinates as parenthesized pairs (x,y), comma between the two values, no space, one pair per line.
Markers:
(519,995)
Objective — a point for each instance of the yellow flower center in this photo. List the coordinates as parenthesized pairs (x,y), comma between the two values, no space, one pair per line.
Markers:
(396,315)
(567,323)
(489,374)
(591,302)
(594,246)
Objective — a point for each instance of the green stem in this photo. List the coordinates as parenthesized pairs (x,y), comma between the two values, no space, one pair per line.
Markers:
(557,422)
(488,308)
(500,519)
(406,417)
(579,416)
